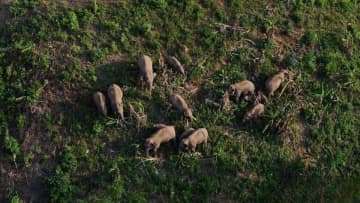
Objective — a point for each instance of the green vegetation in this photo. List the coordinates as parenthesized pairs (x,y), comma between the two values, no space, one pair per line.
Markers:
(54,55)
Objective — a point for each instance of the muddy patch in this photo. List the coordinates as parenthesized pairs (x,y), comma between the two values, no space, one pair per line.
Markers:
(4,14)
(294,136)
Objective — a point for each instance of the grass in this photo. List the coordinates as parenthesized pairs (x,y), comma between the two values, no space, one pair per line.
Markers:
(305,147)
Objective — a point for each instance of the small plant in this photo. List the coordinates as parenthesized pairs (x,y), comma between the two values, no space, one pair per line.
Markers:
(332,63)
(288,28)
(161,4)
(97,55)
(153,44)
(195,11)
(117,188)
(310,37)
(86,18)
(65,75)
(69,162)
(61,189)
(298,18)
(142,29)
(71,22)
(267,67)
(321,2)
(357,36)
(28,158)
(61,36)
(21,120)
(291,60)
(16,199)
(135,197)
(309,61)
(12,146)
(98,128)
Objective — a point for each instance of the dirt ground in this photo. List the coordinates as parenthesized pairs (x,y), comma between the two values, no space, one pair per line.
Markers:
(4,12)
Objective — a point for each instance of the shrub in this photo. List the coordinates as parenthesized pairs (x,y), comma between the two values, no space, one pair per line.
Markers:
(141,29)
(61,189)
(61,36)
(96,55)
(68,161)
(117,189)
(332,63)
(357,36)
(11,145)
(298,18)
(195,11)
(153,44)
(310,37)
(86,18)
(309,61)
(291,60)
(71,22)
(321,2)
(15,199)
(135,197)
(267,67)
(288,28)
(161,4)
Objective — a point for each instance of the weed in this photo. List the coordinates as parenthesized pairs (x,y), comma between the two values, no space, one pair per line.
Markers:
(310,37)
(15,199)
(60,187)
(11,145)
(309,61)
(160,4)
(70,21)
(97,55)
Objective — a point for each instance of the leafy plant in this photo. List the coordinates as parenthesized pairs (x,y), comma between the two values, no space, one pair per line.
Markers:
(11,145)
(97,55)
(15,199)
(68,161)
(309,61)
(60,187)
(310,37)
(71,22)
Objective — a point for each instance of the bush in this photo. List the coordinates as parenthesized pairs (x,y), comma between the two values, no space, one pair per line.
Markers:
(298,18)
(309,61)
(333,62)
(61,36)
(70,21)
(60,187)
(321,2)
(16,199)
(86,18)
(291,60)
(11,145)
(195,11)
(161,4)
(135,197)
(357,36)
(141,29)
(96,55)
(69,161)
(310,37)
(117,189)
(267,67)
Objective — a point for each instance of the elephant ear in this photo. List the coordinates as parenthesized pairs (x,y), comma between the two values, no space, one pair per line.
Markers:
(149,143)
(231,89)
(188,113)
(186,142)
